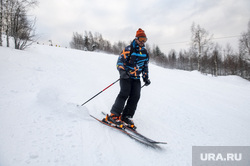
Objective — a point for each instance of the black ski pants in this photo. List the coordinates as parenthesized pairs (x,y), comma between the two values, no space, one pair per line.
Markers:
(130,91)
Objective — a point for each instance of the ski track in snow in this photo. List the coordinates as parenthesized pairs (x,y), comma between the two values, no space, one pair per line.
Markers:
(40,123)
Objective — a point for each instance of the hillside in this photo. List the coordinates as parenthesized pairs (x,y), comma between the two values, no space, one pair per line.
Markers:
(41,125)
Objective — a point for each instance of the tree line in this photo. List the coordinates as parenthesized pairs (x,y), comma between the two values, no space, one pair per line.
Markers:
(14,22)
(90,42)
(203,54)
(208,57)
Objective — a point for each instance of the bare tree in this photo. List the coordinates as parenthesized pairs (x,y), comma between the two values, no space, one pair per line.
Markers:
(108,47)
(9,8)
(245,43)
(214,64)
(172,59)
(91,41)
(200,41)
(7,16)
(77,41)
(16,23)
(23,31)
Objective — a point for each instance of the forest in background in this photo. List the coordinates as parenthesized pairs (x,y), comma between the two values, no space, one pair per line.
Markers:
(203,54)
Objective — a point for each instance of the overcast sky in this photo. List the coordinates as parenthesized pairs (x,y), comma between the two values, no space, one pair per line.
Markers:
(165,22)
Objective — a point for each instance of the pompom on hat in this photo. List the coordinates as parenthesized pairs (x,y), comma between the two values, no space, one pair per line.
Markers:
(140,33)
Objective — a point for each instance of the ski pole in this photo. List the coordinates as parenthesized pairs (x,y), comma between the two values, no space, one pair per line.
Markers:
(101,91)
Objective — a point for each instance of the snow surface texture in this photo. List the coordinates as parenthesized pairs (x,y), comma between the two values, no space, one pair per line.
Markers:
(41,125)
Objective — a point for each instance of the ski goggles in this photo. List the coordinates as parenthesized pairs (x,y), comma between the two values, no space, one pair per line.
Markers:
(142,39)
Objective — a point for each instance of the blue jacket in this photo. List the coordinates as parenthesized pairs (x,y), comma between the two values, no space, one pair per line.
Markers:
(134,60)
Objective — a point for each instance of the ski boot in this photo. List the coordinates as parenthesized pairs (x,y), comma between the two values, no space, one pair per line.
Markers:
(114,120)
(128,122)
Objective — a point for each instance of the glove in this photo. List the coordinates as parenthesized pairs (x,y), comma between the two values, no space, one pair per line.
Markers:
(147,81)
(123,74)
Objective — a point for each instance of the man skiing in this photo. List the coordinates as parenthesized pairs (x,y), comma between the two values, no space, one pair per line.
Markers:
(131,63)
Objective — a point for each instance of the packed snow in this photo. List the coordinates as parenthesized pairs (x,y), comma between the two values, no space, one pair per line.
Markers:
(40,123)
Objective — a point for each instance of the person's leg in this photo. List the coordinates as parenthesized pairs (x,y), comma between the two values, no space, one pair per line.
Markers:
(133,99)
(125,87)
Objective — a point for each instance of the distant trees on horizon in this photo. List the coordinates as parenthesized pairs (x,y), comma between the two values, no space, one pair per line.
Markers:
(203,55)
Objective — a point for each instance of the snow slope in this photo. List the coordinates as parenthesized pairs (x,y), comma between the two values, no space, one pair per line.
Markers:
(41,125)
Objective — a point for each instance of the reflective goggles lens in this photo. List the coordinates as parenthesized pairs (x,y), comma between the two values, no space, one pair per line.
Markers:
(142,39)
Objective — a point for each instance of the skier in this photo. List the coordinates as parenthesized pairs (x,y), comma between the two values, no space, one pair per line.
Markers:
(131,63)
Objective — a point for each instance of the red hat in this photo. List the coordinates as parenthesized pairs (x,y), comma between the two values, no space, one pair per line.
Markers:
(140,33)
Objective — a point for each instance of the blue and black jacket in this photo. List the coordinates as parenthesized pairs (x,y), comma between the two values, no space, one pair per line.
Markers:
(134,60)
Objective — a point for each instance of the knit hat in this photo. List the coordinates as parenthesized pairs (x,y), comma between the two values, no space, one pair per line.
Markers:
(140,33)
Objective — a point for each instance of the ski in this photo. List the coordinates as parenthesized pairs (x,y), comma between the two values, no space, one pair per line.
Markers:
(131,130)
(144,137)
(130,134)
